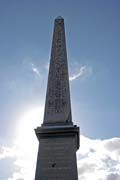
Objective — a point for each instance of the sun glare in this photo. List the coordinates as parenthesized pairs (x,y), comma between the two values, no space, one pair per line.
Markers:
(27,123)
(26,143)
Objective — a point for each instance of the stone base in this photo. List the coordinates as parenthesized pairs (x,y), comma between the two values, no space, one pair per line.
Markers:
(57,153)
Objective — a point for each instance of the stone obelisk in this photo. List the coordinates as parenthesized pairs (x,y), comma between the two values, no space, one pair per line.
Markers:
(58,137)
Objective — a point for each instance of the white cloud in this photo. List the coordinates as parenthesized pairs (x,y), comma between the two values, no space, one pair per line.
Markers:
(84,71)
(99,159)
(6,152)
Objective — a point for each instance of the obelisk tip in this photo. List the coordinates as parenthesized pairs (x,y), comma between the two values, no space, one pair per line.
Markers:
(59,18)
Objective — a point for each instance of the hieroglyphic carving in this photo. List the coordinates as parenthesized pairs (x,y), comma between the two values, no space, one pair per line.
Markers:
(58,93)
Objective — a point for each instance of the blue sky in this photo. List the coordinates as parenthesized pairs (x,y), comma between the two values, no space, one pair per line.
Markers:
(93,48)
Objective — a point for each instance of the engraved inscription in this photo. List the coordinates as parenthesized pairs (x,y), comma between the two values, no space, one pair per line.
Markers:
(58,98)
(56,158)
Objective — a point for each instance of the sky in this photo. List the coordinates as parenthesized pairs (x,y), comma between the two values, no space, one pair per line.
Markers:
(93,49)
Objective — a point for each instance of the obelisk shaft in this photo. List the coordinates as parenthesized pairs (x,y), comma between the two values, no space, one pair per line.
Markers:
(58,107)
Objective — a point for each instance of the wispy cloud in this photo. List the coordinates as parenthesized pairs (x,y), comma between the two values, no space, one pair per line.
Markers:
(84,71)
(81,72)
(35,70)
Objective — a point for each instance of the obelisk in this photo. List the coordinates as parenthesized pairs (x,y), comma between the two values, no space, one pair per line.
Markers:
(58,137)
